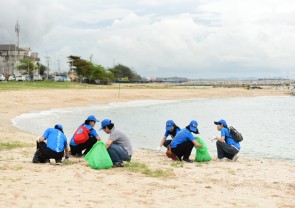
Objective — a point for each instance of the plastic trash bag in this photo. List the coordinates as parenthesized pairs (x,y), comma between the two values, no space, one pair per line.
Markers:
(98,157)
(202,154)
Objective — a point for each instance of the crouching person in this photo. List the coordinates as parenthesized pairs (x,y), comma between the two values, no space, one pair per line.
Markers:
(51,145)
(184,141)
(84,138)
(118,145)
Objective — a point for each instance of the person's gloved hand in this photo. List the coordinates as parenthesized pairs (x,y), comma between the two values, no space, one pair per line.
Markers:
(158,149)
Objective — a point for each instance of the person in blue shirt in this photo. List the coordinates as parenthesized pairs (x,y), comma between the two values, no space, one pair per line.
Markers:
(92,138)
(226,145)
(171,129)
(54,147)
(184,141)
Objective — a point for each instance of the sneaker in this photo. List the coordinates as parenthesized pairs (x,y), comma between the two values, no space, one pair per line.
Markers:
(58,162)
(188,160)
(117,165)
(234,159)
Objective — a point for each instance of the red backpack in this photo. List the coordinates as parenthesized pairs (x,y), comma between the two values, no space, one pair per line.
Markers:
(81,134)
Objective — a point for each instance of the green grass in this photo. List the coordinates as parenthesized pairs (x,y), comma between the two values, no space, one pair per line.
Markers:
(144,169)
(31,85)
(68,162)
(13,85)
(177,164)
(13,144)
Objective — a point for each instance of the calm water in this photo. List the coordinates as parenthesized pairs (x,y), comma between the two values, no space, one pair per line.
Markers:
(267,123)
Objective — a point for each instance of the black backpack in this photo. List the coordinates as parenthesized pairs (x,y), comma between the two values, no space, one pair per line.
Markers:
(237,136)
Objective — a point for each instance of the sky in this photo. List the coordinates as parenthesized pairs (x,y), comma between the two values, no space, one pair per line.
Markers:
(160,38)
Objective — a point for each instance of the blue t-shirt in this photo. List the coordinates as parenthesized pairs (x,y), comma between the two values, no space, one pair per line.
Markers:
(182,136)
(228,138)
(167,132)
(92,132)
(56,140)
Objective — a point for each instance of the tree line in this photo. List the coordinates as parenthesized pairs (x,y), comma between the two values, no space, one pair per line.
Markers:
(118,73)
(86,71)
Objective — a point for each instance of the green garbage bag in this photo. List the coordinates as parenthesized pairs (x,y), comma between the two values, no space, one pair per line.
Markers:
(98,157)
(202,154)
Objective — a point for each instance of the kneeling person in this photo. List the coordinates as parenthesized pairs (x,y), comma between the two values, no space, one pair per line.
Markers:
(118,145)
(54,148)
(85,137)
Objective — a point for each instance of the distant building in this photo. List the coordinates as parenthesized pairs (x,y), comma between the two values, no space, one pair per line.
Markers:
(9,56)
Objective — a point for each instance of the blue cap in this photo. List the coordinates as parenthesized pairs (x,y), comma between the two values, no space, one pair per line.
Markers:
(105,122)
(223,122)
(59,126)
(92,118)
(169,125)
(194,126)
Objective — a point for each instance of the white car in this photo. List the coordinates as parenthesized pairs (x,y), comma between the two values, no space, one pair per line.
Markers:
(2,77)
(21,78)
(37,78)
(11,78)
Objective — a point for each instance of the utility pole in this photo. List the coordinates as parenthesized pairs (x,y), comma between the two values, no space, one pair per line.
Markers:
(17,30)
(47,60)
(91,56)
(58,62)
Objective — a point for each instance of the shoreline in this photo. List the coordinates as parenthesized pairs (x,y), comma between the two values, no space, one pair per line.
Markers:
(249,182)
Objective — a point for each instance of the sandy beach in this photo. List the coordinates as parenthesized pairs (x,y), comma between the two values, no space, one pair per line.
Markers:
(249,182)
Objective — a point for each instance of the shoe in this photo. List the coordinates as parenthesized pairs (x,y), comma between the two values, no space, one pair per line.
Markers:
(117,165)
(188,160)
(58,162)
(234,159)
(175,158)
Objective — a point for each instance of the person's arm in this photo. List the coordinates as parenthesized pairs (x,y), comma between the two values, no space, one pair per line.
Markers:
(108,143)
(98,138)
(162,141)
(197,144)
(221,138)
(67,155)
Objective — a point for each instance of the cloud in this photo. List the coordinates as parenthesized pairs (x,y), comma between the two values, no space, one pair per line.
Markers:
(198,39)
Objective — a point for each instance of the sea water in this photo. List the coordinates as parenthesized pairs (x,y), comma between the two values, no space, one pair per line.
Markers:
(266,123)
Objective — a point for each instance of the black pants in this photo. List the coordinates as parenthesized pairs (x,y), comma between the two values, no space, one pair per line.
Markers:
(167,142)
(80,147)
(225,150)
(47,153)
(184,149)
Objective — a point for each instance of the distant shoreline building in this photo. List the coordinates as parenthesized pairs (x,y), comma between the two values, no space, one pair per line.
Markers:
(9,56)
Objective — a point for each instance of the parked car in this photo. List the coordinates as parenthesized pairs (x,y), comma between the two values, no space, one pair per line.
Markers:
(11,78)
(21,78)
(58,79)
(2,77)
(37,78)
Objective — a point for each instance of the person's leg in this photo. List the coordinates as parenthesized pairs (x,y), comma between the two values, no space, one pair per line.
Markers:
(45,154)
(75,150)
(87,145)
(179,151)
(220,152)
(225,150)
(188,150)
(167,142)
(118,154)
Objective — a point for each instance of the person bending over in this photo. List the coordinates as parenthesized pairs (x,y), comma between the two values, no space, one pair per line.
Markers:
(85,137)
(184,141)
(51,145)
(118,145)
(171,129)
